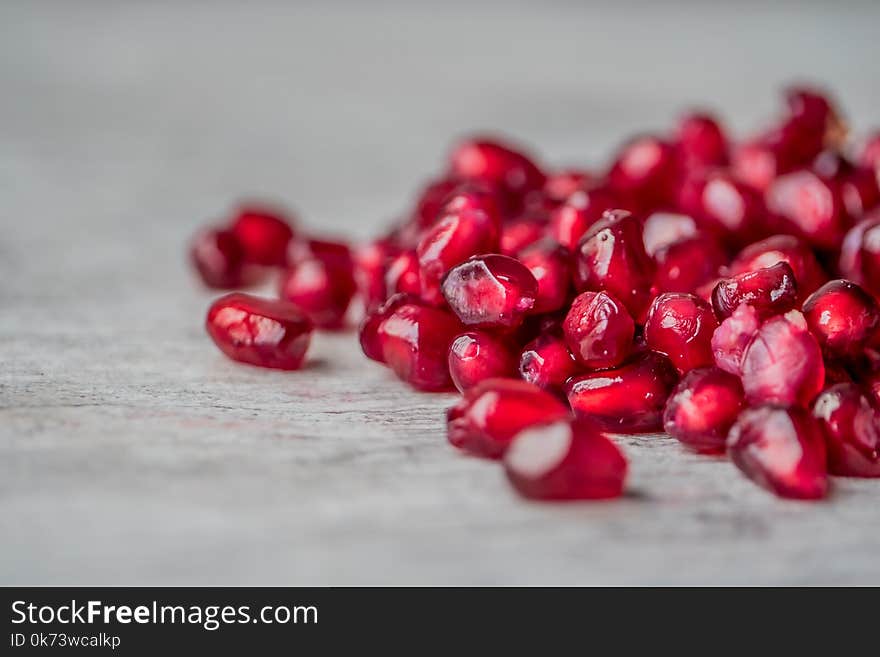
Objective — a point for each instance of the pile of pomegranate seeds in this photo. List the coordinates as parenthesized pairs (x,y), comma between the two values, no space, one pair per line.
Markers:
(725,292)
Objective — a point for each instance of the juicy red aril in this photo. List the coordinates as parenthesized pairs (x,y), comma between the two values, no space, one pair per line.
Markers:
(783,363)
(550,264)
(496,163)
(732,336)
(582,209)
(598,330)
(611,256)
(629,398)
(565,461)
(492,413)
(368,332)
(415,344)
(321,284)
(520,233)
(783,248)
(261,332)
(852,431)
(664,228)
(264,235)
(870,154)
(703,407)
(680,326)
(759,161)
(402,275)
(370,260)
(810,111)
(724,206)
(644,172)
(701,141)
(688,264)
(780,449)
(477,356)
(811,205)
(218,257)
(843,317)
(431,201)
(770,291)
(547,362)
(490,291)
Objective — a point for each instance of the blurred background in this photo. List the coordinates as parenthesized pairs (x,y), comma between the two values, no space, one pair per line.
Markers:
(124,125)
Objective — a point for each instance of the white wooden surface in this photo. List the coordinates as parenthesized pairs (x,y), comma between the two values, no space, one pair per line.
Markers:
(132,452)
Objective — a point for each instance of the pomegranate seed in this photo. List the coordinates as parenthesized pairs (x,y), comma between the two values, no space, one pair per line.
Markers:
(369,271)
(565,461)
(860,191)
(810,111)
(476,356)
(701,141)
(547,362)
(703,407)
(783,248)
(218,257)
(758,162)
(322,283)
(520,233)
(496,163)
(783,363)
(688,264)
(264,235)
(611,256)
(852,431)
(550,264)
(490,291)
(664,228)
(368,332)
(680,326)
(402,274)
(598,330)
(732,336)
(870,155)
(493,412)
(562,184)
(644,171)
(843,317)
(415,344)
(627,399)
(770,291)
(724,206)
(431,200)
(811,205)
(261,332)
(780,449)
(582,209)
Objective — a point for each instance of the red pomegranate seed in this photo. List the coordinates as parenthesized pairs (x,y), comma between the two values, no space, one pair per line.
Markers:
(598,330)
(870,154)
(860,191)
(370,260)
(264,235)
(783,248)
(645,171)
(562,184)
(611,256)
(490,291)
(811,111)
(520,233)
(493,412)
(843,317)
(547,362)
(701,141)
(402,275)
(687,265)
(724,206)
(850,261)
(565,461)
(261,332)
(732,336)
(629,399)
(758,162)
(218,257)
(582,209)
(780,449)
(477,356)
(770,291)
(499,164)
(852,431)
(811,206)
(368,332)
(703,407)
(664,228)
(550,264)
(320,281)
(415,344)
(431,200)
(680,326)
(783,363)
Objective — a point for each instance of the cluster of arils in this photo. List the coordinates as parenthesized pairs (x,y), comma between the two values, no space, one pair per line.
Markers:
(725,292)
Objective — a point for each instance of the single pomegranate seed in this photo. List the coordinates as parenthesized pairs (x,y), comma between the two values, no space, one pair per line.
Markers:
(493,412)
(732,336)
(611,256)
(547,362)
(431,200)
(701,141)
(770,291)
(598,330)
(783,248)
(860,191)
(565,461)
(403,275)
(703,407)
(688,264)
(415,344)
(322,283)
(261,332)
(759,161)
(843,317)
(582,209)
(664,228)
(368,332)
(680,326)
(780,449)
(645,171)
(724,206)
(520,233)
(477,356)
(490,291)
(370,260)
(264,235)
(562,184)
(852,431)
(870,154)
(218,257)
(811,112)
(627,399)
(457,235)
(550,264)
(783,363)
(496,163)
(811,205)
